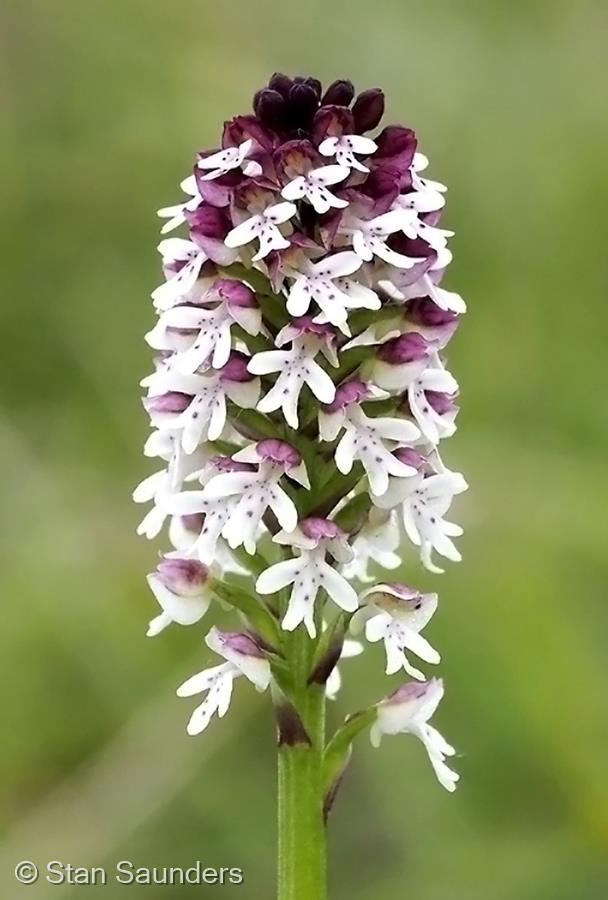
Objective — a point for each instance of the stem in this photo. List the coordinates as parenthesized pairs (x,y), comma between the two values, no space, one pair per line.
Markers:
(301,829)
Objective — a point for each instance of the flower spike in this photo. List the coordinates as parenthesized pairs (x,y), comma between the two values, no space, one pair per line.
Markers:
(299,396)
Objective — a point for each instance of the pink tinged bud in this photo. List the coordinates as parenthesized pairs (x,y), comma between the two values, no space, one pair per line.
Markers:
(307,325)
(193,522)
(368,109)
(236,368)
(227,464)
(440,402)
(319,529)
(353,391)
(422,311)
(407,348)
(238,642)
(183,577)
(280,452)
(410,457)
(171,402)
(182,588)
(400,599)
(235,293)
(403,591)
(411,690)
(243,652)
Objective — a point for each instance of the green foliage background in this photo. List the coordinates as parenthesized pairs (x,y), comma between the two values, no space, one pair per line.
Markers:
(102,105)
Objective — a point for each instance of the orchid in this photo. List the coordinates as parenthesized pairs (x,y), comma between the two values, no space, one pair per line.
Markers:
(298,398)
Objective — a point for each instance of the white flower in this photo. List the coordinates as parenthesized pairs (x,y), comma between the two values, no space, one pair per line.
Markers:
(419,164)
(177,214)
(313,187)
(407,711)
(226,160)
(326,283)
(345,147)
(425,286)
(333,684)
(309,572)
(376,541)
(204,417)
(186,536)
(434,421)
(208,545)
(424,502)
(182,261)
(164,484)
(244,657)
(264,227)
(399,613)
(258,491)
(296,367)
(183,590)
(371,441)
(421,200)
(369,237)
(210,329)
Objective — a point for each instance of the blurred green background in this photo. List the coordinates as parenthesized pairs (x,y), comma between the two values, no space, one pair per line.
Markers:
(103,105)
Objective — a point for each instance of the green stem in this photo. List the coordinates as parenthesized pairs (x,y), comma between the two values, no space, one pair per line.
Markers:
(302,873)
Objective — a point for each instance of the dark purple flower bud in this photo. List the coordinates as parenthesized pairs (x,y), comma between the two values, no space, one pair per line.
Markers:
(383,186)
(406,348)
(353,391)
(171,402)
(280,83)
(396,145)
(209,221)
(294,158)
(313,83)
(332,121)
(339,93)
(235,293)
(270,107)
(422,311)
(279,451)
(318,529)
(184,577)
(368,109)
(302,104)
(243,128)
(236,368)
(410,457)
(442,403)
(414,247)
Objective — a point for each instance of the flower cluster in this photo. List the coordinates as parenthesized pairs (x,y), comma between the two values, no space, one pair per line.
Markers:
(300,394)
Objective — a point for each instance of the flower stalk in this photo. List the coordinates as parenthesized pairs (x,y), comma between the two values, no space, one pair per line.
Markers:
(299,396)
(302,861)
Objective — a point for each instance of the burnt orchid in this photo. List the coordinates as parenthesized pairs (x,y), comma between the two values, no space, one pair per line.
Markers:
(297,402)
